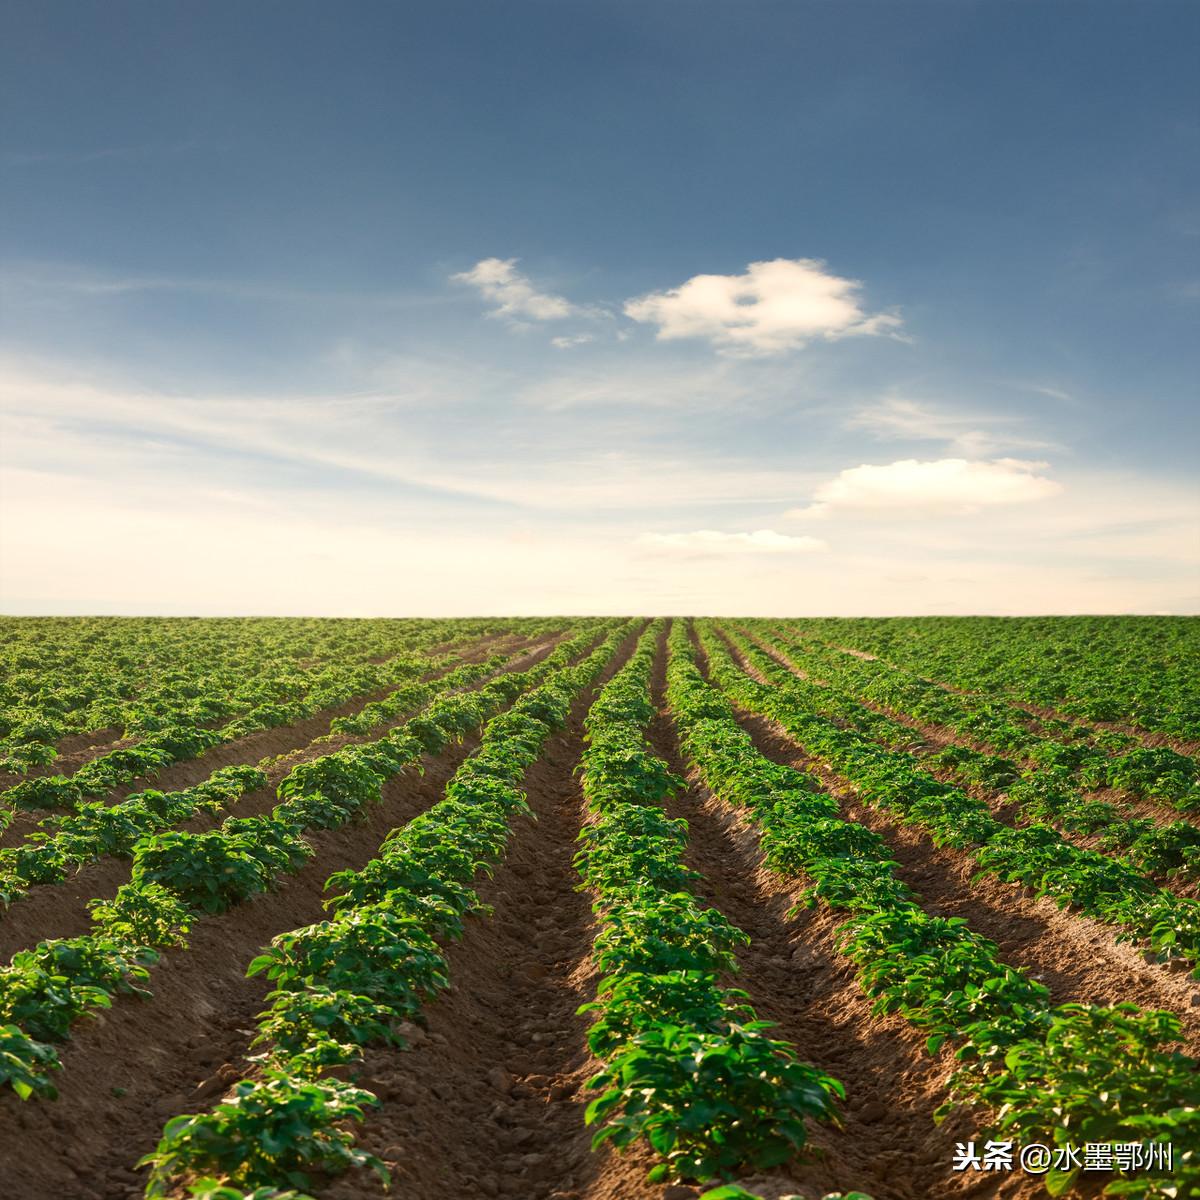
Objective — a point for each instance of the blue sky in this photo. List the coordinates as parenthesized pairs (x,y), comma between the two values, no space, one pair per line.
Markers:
(802,307)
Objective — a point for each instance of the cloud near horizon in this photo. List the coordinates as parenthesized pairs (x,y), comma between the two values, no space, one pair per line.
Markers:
(772,308)
(950,486)
(326,501)
(714,541)
(511,293)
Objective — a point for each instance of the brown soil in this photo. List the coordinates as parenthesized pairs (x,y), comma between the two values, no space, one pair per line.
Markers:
(490,1102)
(888,1144)
(936,737)
(73,751)
(60,909)
(127,1071)
(1147,737)
(1075,957)
(489,1099)
(265,743)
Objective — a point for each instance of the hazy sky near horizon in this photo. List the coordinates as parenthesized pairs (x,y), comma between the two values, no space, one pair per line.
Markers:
(599,307)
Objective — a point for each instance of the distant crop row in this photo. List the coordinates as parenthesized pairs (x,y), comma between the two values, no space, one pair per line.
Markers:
(1036,856)
(1090,758)
(1062,1073)
(143,677)
(177,875)
(353,979)
(95,830)
(1140,670)
(1048,790)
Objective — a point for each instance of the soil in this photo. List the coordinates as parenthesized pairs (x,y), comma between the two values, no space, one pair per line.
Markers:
(60,909)
(125,1072)
(1147,737)
(796,978)
(491,1100)
(488,1100)
(265,743)
(1077,958)
(128,1070)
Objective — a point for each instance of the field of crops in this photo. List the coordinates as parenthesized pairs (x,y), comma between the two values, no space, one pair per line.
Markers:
(599,909)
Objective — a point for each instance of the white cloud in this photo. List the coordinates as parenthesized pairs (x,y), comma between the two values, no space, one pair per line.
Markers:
(1054,393)
(376,438)
(913,488)
(899,418)
(511,293)
(326,500)
(619,382)
(774,307)
(713,541)
(568,341)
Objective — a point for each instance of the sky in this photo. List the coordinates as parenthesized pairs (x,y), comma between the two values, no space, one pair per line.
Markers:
(671,306)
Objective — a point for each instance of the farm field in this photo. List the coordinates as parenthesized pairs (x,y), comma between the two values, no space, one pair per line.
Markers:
(600,909)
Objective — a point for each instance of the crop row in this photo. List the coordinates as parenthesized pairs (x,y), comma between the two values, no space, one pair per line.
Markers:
(356,977)
(1036,856)
(96,830)
(687,1066)
(1046,793)
(1093,758)
(178,875)
(75,676)
(1056,1074)
(184,740)
(1140,670)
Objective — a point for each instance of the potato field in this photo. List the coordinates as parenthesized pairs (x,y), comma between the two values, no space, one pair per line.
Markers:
(599,909)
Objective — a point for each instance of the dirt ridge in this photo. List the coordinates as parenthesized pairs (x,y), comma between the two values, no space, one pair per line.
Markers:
(60,909)
(1078,958)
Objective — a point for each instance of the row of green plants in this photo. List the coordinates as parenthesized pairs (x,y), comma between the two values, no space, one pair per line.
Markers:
(1090,757)
(97,830)
(1036,856)
(177,875)
(1049,793)
(688,1069)
(351,980)
(62,676)
(410,696)
(179,742)
(1141,671)
(1057,1074)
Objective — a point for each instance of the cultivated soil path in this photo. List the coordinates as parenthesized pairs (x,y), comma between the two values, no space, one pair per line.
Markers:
(125,1072)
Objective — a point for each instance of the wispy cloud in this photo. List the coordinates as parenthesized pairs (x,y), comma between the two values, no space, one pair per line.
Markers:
(772,308)
(327,501)
(715,541)
(569,341)
(377,438)
(1053,393)
(511,294)
(21,281)
(910,488)
(630,382)
(82,156)
(969,434)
